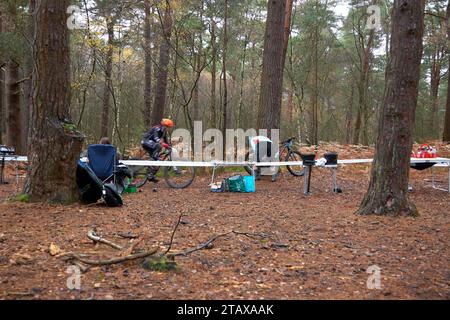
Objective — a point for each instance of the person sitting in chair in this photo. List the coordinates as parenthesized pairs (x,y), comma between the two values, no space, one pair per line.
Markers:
(122,171)
(154,140)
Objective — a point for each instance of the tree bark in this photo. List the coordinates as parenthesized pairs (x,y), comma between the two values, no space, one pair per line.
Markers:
(388,189)
(224,71)
(213,74)
(2,82)
(54,146)
(147,112)
(196,76)
(269,111)
(108,79)
(2,104)
(446,135)
(13,123)
(159,106)
(363,87)
(287,28)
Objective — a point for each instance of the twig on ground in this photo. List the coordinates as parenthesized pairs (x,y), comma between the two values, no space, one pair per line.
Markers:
(210,241)
(94,237)
(199,247)
(110,261)
(173,235)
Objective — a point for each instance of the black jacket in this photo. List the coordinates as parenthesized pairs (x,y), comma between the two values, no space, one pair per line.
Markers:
(156,134)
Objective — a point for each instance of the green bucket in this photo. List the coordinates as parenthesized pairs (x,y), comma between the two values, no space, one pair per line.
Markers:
(131,189)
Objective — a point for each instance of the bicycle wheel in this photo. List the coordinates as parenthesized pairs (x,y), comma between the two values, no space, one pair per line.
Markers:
(297,171)
(179,177)
(140,175)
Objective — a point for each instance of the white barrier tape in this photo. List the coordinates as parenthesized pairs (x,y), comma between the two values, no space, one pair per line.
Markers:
(441,162)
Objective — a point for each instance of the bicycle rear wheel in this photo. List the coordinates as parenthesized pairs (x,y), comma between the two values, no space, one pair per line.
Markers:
(179,177)
(140,175)
(297,171)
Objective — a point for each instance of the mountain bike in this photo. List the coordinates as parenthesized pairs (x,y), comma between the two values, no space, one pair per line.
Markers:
(175,177)
(288,154)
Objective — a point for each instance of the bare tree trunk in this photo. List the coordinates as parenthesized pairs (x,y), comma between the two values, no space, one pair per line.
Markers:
(159,106)
(224,70)
(13,123)
(2,104)
(446,135)
(388,189)
(363,87)
(269,111)
(349,117)
(198,114)
(147,112)
(54,146)
(2,82)
(287,28)
(434,92)
(213,74)
(108,79)
(28,69)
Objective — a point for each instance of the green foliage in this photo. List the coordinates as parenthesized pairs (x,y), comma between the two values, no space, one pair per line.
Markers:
(160,264)
(24,198)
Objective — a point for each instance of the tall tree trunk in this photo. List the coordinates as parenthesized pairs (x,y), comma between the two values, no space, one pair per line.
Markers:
(108,79)
(13,88)
(224,70)
(159,106)
(13,123)
(446,135)
(269,111)
(239,123)
(349,117)
(388,189)
(147,112)
(213,73)
(2,104)
(54,147)
(287,28)
(315,93)
(434,92)
(28,69)
(2,82)
(197,114)
(363,87)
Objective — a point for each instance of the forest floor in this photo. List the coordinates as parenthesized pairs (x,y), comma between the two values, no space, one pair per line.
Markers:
(296,247)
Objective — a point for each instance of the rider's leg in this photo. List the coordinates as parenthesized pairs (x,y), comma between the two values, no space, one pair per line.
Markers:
(153,149)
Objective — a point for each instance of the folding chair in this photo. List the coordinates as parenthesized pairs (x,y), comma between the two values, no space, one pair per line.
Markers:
(102,162)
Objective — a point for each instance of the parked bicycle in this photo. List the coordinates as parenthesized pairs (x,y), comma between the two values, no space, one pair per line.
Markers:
(175,177)
(288,154)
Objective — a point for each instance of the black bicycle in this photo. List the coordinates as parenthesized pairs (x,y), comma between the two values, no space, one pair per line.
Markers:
(289,155)
(175,177)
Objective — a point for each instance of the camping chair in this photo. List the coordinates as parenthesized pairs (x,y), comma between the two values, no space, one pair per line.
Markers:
(102,161)
(99,174)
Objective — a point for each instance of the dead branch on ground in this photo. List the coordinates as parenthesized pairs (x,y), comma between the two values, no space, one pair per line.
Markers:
(94,237)
(105,262)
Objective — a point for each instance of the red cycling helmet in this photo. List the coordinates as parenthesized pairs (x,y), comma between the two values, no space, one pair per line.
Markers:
(167,122)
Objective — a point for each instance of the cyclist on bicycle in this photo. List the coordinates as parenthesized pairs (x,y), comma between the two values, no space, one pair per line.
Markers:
(154,140)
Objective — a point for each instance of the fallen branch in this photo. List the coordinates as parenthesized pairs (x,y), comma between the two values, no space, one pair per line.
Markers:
(94,237)
(210,241)
(111,261)
(199,247)
(173,235)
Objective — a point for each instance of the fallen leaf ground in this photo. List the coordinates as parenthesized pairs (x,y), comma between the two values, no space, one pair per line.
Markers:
(315,247)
